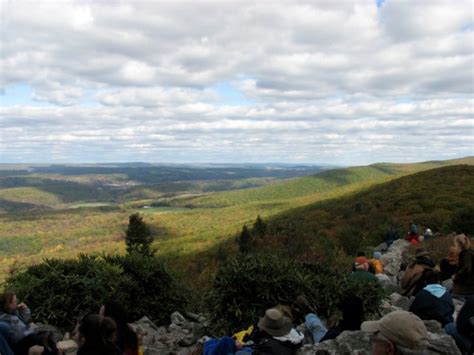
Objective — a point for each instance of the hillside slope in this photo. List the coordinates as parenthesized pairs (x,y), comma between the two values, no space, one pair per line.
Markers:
(441,199)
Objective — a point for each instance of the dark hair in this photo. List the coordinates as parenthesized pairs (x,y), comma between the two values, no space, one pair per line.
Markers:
(5,299)
(431,276)
(99,335)
(126,338)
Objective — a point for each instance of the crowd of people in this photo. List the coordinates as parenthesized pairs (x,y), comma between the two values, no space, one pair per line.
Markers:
(433,287)
(104,333)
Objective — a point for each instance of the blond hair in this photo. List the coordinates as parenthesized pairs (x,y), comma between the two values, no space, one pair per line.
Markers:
(462,242)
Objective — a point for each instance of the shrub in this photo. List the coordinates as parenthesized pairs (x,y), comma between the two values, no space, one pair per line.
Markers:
(60,291)
(247,285)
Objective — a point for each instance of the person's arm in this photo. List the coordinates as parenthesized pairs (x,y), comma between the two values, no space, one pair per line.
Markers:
(24,312)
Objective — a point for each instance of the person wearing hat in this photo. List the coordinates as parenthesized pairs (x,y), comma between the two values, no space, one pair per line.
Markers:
(361,273)
(276,335)
(412,281)
(396,332)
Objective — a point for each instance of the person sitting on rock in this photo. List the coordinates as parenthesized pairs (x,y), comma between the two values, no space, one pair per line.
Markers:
(361,273)
(433,301)
(412,235)
(22,337)
(276,335)
(427,235)
(127,339)
(371,268)
(377,263)
(97,336)
(463,280)
(463,330)
(449,265)
(396,333)
(412,281)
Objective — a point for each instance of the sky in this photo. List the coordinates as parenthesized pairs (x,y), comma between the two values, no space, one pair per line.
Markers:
(316,82)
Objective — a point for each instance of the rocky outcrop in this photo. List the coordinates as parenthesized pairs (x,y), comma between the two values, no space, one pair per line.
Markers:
(179,338)
(392,260)
(357,342)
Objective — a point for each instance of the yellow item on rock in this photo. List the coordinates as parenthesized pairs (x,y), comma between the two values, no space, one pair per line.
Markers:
(239,336)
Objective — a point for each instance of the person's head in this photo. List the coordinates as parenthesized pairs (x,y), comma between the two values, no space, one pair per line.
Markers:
(396,331)
(431,276)
(8,301)
(377,255)
(361,263)
(116,311)
(462,242)
(96,332)
(275,323)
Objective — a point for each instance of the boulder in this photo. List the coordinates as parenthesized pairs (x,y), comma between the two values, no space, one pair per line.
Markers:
(392,260)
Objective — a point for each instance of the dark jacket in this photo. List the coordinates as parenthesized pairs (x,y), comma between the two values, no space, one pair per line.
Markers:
(265,344)
(427,306)
(446,269)
(463,324)
(362,275)
(463,282)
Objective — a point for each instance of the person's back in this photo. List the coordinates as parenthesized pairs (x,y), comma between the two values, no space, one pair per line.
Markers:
(98,335)
(361,273)
(433,301)
(412,281)
(127,339)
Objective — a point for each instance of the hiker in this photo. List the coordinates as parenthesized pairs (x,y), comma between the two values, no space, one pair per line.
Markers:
(449,264)
(97,336)
(412,281)
(361,272)
(371,268)
(463,280)
(463,330)
(412,235)
(433,301)
(396,333)
(276,335)
(427,235)
(377,263)
(352,315)
(21,337)
(127,339)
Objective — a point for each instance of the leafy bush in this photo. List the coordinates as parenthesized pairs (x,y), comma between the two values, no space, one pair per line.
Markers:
(60,291)
(247,285)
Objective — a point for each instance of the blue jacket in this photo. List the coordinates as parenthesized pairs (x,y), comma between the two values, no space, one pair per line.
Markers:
(17,321)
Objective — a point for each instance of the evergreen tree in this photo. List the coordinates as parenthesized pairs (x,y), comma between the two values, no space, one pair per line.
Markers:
(244,240)
(259,227)
(138,236)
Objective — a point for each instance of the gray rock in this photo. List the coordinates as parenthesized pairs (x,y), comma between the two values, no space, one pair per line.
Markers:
(382,247)
(177,318)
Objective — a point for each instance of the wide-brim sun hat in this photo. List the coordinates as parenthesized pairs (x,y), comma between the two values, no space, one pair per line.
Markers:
(275,323)
(400,327)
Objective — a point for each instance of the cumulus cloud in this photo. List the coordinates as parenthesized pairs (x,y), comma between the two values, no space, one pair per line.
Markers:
(326,81)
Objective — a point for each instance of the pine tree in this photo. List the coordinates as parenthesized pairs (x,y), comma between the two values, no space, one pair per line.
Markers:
(244,240)
(259,227)
(138,236)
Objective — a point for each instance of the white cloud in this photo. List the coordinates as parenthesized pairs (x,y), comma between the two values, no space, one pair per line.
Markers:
(304,81)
